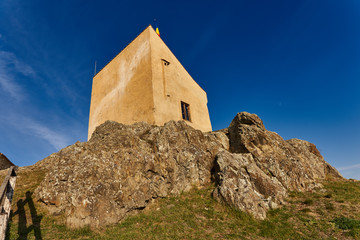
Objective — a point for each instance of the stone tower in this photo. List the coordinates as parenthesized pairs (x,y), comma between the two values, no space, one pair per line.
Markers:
(145,82)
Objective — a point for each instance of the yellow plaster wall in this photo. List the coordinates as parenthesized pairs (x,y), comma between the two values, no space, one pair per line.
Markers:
(122,90)
(173,84)
(136,86)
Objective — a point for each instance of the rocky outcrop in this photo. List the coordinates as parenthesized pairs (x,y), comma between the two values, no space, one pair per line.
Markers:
(5,162)
(122,168)
(295,163)
(255,177)
(242,184)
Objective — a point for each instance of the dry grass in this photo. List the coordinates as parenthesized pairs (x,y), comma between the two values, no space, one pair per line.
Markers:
(333,213)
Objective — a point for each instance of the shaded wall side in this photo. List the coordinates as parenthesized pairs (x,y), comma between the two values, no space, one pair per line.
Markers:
(122,90)
(5,162)
(173,84)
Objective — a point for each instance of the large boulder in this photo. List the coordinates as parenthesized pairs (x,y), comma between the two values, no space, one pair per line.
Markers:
(242,184)
(255,177)
(297,164)
(123,168)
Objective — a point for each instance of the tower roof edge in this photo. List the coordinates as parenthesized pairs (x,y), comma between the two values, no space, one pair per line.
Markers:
(142,32)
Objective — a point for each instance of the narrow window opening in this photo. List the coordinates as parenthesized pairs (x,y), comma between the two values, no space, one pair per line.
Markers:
(166,63)
(185,111)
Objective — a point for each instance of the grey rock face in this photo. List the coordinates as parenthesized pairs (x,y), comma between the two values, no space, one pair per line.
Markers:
(122,168)
(297,164)
(242,184)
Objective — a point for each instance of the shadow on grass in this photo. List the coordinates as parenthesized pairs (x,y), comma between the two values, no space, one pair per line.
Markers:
(23,229)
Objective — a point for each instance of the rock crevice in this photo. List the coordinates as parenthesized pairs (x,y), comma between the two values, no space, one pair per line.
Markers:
(122,168)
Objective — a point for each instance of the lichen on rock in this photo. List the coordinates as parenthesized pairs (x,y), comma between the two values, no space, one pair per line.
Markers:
(122,168)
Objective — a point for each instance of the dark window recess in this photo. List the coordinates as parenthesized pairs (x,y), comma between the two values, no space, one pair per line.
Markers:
(166,63)
(185,110)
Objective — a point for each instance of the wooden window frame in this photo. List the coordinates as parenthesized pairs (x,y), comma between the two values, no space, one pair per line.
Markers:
(185,111)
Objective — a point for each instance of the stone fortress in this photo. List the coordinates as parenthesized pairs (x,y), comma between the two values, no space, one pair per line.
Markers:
(123,168)
(146,82)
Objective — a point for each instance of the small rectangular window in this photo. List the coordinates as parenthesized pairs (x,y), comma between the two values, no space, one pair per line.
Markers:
(185,111)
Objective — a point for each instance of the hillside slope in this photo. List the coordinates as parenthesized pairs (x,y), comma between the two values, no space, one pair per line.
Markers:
(123,168)
(331,212)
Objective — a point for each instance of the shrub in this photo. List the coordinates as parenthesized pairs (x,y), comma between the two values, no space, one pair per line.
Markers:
(306,210)
(308,202)
(329,206)
(329,195)
(346,223)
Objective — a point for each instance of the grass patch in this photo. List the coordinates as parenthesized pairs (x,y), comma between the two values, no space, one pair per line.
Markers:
(352,225)
(344,191)
(329,206)
(345,223)
(308,202)
(196,215)
(306,210)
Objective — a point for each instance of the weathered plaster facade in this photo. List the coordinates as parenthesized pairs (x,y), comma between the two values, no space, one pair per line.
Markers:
(145,82)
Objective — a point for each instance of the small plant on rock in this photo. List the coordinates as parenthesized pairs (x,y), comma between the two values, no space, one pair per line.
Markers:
(308,201)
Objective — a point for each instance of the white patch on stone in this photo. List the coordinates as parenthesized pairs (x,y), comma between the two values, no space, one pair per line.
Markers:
(125,73)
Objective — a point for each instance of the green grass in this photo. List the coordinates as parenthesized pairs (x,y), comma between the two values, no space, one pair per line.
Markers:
(352,225)
(344,191)
(308,201)
(330,214)
(346,223)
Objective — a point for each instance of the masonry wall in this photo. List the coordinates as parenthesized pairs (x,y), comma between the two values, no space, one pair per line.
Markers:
(5,162)
(137,86)
(173,84)
(122,90)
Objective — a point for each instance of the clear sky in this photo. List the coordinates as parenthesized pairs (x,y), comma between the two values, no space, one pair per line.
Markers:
(296,64)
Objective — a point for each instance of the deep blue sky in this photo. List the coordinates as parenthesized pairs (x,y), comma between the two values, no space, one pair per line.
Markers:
(294,63)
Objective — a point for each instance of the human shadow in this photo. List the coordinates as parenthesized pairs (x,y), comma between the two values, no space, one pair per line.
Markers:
(23,230)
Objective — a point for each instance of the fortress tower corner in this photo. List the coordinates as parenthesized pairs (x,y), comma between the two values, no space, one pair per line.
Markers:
(146,82)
